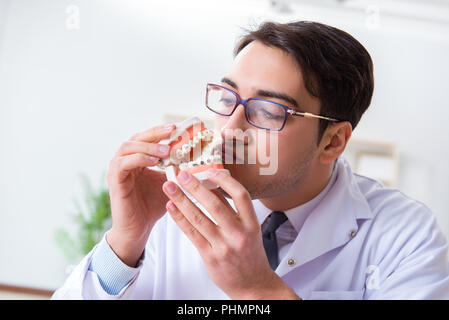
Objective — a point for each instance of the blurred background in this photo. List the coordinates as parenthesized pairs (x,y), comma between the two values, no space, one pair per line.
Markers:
(79,77)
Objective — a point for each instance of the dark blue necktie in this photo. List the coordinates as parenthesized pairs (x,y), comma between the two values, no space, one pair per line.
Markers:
(269,237)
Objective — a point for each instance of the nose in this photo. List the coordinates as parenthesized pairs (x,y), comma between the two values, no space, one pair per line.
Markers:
(237,119)
(236,125)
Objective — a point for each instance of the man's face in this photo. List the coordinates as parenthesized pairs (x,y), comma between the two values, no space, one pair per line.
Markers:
(259,67)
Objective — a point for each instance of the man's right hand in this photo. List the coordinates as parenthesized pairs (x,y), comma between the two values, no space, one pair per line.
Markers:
(137,199)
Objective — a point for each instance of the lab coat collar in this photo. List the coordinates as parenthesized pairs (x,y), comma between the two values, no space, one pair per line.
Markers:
(331,224)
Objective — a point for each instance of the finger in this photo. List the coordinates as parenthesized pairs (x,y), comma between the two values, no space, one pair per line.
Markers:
(154,134)
(187,228)
(222,198)
(123,165)
(236,191)
(151,149)
(192,213)
(225,217)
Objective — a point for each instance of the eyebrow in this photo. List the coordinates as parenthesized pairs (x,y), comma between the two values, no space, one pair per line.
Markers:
(265,93)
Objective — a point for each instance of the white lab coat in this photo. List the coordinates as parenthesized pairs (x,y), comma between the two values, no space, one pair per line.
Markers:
(362,241)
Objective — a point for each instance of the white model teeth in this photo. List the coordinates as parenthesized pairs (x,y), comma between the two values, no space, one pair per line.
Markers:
(213,159)
(205,135)
(186,148)
(202,161)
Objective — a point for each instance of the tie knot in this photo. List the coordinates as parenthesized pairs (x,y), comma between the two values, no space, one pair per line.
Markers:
(276,219)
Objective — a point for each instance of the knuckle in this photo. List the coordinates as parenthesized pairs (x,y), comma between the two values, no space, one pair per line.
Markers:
(140,157)
(242,195)
(198,219)
(177,216)
(241,242)
(123,147)
(151,148)
(215,206)
(225,252)
(118,163)
(195,185)
(191,231)
(155,131)
(254,230)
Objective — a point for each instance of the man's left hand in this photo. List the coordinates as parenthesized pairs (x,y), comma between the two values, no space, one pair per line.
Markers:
(232,249)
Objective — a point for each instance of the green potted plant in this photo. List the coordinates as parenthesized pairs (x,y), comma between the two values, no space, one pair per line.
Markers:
(91,222)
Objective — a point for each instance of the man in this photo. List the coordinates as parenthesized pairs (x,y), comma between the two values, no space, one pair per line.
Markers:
(311,230)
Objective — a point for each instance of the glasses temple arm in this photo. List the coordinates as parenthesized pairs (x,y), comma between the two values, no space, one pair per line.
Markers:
(309,115)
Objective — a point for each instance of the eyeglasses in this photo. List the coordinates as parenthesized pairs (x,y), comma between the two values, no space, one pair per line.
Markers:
(261,113)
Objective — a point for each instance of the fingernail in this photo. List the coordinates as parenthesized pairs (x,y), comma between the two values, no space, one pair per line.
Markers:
(168,127)
(170,187)
(184,177)
(152,159)
(212,172)
(163,149)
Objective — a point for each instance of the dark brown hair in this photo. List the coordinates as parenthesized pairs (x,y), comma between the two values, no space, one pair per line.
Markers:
(335,67)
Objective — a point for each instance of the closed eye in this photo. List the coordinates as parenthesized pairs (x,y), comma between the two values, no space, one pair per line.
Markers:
(269,115)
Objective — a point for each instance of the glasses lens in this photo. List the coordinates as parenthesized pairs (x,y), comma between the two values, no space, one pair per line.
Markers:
(220,100)
(265,114)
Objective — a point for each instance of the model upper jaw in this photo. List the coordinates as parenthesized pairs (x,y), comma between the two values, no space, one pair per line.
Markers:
(194,149)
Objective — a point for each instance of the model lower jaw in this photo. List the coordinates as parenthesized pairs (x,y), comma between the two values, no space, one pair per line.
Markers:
(209,160)
(206,157)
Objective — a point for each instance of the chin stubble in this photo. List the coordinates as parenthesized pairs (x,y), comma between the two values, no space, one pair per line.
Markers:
(282,182)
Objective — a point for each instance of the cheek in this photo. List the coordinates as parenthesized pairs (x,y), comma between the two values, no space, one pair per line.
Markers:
(267,147)
(295,144)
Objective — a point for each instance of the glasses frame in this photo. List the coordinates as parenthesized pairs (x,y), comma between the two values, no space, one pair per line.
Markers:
(287,110)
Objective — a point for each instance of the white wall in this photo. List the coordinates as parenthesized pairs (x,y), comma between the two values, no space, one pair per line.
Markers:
(68,98)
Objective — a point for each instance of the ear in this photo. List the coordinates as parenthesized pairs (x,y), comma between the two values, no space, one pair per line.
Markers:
(334,141)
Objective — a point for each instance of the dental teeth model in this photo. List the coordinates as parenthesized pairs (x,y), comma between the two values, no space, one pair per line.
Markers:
(193,149)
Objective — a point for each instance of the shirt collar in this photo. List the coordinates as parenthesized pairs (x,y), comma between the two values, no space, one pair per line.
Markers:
(297,215)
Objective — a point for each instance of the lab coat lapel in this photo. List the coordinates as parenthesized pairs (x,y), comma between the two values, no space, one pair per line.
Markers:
(331,224)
